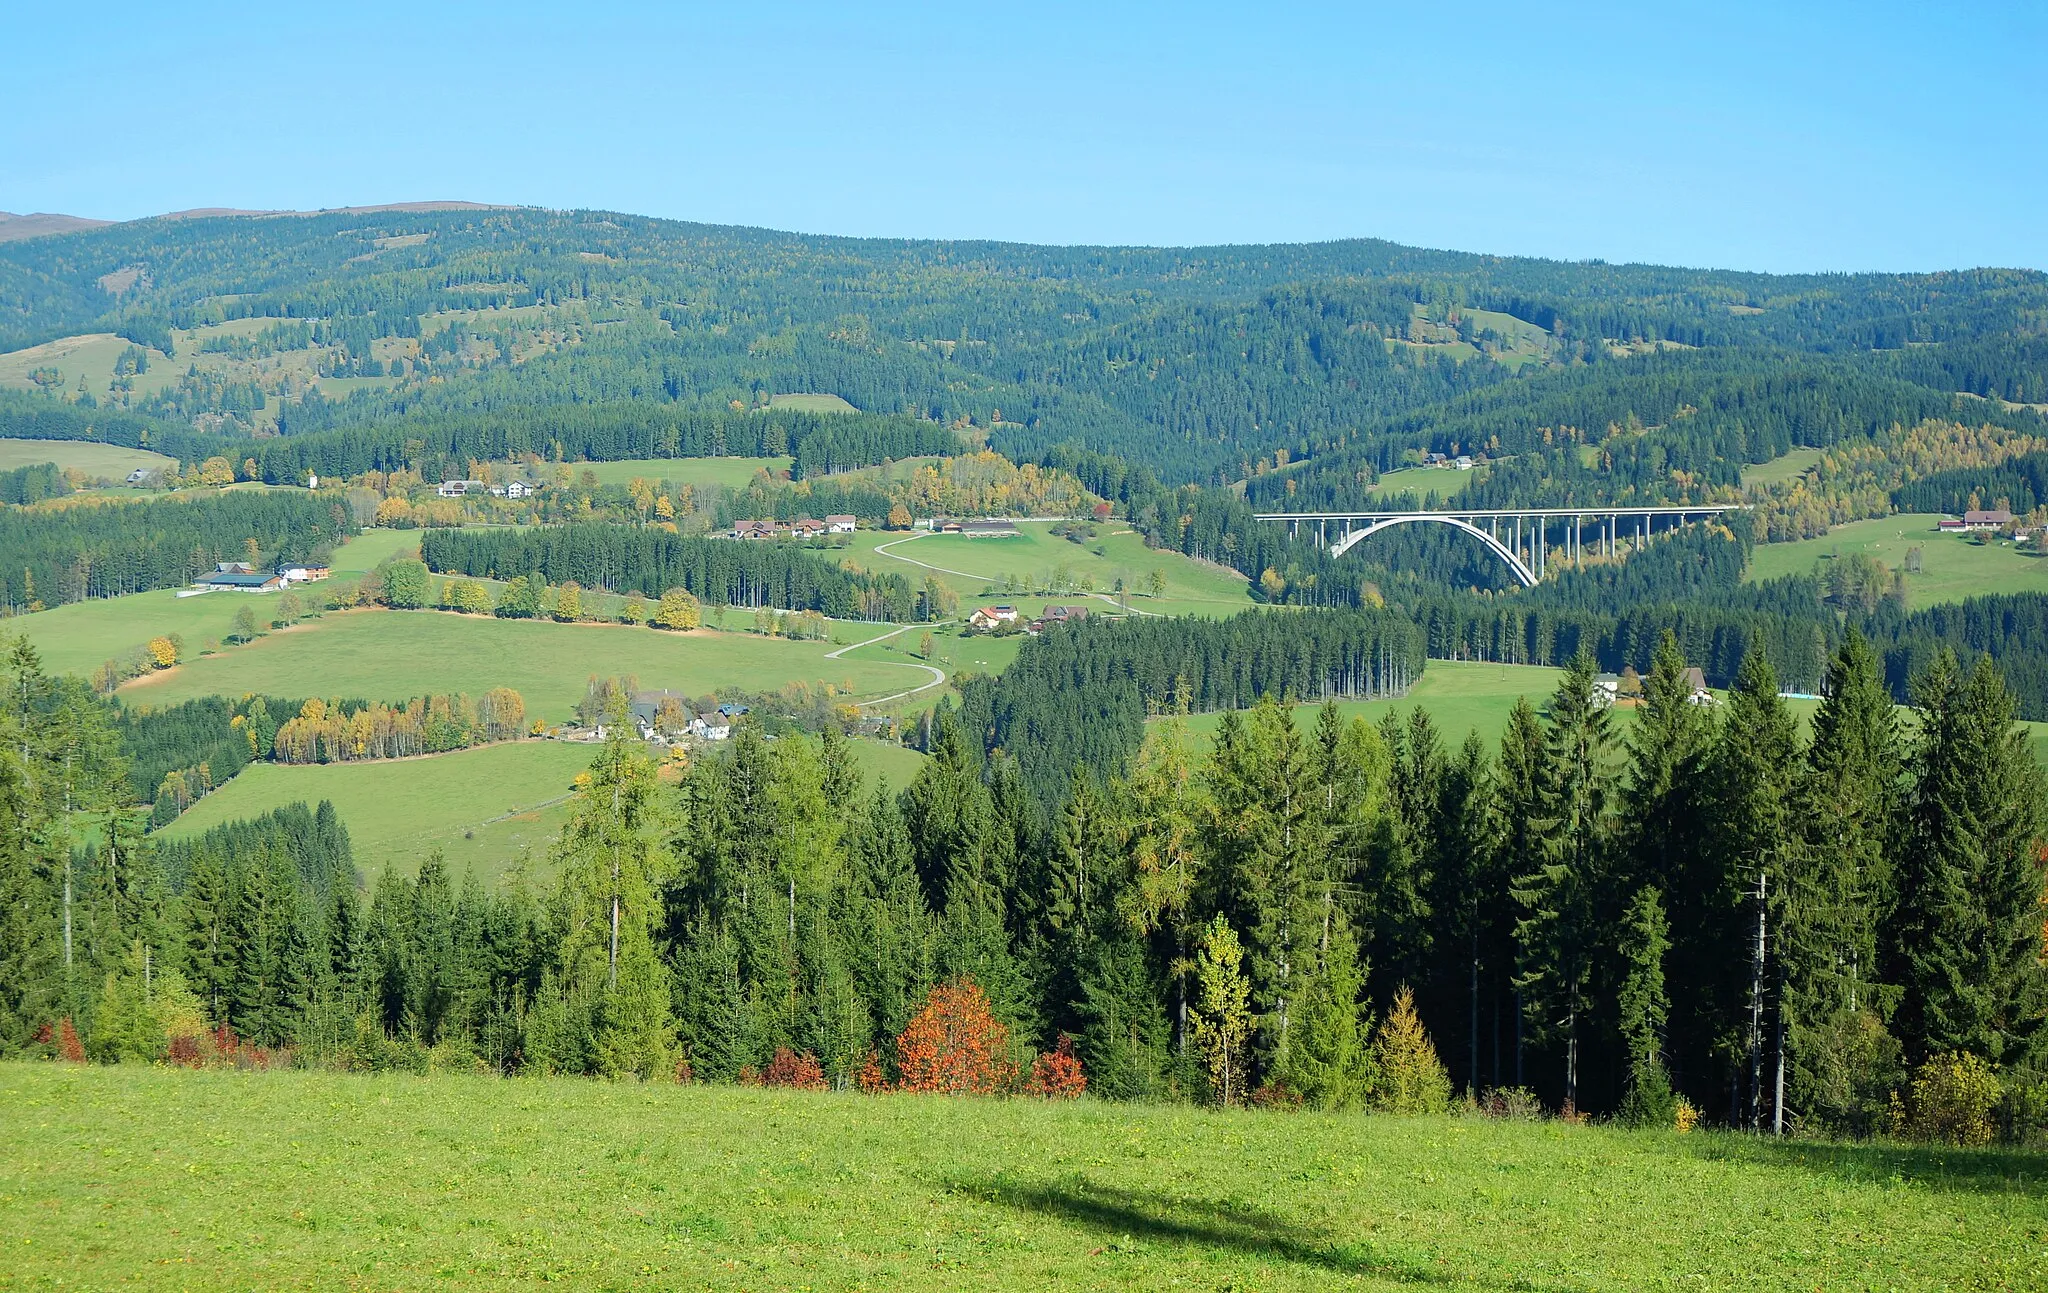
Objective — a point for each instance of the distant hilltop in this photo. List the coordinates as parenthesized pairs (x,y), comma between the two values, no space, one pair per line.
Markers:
(14,228)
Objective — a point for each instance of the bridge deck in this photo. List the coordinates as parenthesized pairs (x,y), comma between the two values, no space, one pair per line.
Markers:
(1507,513)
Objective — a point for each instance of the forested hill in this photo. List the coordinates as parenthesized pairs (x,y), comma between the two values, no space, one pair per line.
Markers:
(1208,364)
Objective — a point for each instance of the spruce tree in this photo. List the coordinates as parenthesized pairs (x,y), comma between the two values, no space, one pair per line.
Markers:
(1644,1007)
(1329,1064)
(1124,1033)
(1967,929)
(1848,807)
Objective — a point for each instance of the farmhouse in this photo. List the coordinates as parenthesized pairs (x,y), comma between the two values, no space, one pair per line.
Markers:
(458,488)
(1697,691)
(243,580)
(806,528)
(298,574)
(1056,615)
(987,617)
(139,475)
(839,524)
(1990,519)
(514,489)
(753,530)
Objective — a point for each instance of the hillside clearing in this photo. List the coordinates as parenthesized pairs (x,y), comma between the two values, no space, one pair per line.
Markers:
(392,655)
(110,461)
(731,473)
(1784,468)
(485,809)
(1460,696)
(1952,568)
(319,1180)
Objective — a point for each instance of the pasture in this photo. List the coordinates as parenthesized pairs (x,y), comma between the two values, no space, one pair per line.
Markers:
(100,461)
(1952,568)
(996,569)
(1783,469)
(728,473)
(1460,696)
(486,809)
(393,655)
(1421,482)
(811,402)
(80,636)
(170,1178)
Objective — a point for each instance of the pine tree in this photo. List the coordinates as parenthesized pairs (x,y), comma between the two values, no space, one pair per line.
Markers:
(1124,1033)
(1848,820)
(1644,1007)
(1329,1064)
(611,859)
(1561,883)
(1968,926)
(1407,1077)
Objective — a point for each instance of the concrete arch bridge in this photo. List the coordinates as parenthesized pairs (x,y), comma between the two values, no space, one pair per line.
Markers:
(1526,538)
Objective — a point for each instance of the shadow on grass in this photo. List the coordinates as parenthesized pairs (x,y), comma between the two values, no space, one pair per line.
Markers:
(1181,1219)
(1987,1171)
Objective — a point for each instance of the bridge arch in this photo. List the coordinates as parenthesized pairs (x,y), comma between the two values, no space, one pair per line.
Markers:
(1499,549)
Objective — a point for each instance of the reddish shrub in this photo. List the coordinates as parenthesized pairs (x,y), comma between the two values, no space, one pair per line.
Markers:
(68,1045)
(186,1052)
(44,1037)
(790,1069)
(684,1074)
(1276,1095)
(871,1078)
(954,1046)
(1057,1074)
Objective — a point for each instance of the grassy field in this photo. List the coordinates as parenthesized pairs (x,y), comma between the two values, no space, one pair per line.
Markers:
(99,460)
(1951,568)
(1460,697)
(733,473)
(392,655)
(1419,482)
(169,1178)
(1781,469)
(484,808)
(78,637)
(809,402)
(973,567)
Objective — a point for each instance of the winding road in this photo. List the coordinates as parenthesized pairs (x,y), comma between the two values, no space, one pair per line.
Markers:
(938,674)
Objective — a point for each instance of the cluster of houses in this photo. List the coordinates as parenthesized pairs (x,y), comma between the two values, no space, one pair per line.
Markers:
(463,488)
(987,619)
(1463,462)
(241,576)
(801,528)
(1612,688)
(663,716)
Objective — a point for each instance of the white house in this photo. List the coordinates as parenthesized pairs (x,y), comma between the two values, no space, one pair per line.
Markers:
(840,524)
(458,488)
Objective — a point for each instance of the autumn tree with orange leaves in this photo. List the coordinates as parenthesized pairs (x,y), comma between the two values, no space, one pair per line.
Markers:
(954,1046)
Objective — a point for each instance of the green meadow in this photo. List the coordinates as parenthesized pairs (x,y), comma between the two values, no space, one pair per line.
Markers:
(1783,469)
(974,568)
(730,473)
(80,636)
(393,655)
(111,461)
(1952,568)
(811,402)
(168,1178)
(1460,696)
(485,809)
(1419,482)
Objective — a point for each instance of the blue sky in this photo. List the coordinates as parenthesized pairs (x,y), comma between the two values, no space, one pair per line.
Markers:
(1757,136)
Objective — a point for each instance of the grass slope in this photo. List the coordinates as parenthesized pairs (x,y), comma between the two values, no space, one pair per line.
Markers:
(78,637)
(971,567)
(1784,468)
(1419,482)
(1951,568)
(733,473)
(97,460)
(391,655)
(1460,697)
(167,1178)
(484,808)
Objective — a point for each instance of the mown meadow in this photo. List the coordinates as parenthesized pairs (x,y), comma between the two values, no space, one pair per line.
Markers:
(167,1178)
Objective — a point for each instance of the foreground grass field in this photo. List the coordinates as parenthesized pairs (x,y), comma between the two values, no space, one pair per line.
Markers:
(1951,568)
(391,655)
(174,1179)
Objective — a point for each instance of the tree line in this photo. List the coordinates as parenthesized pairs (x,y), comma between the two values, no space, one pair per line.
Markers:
(651,561)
